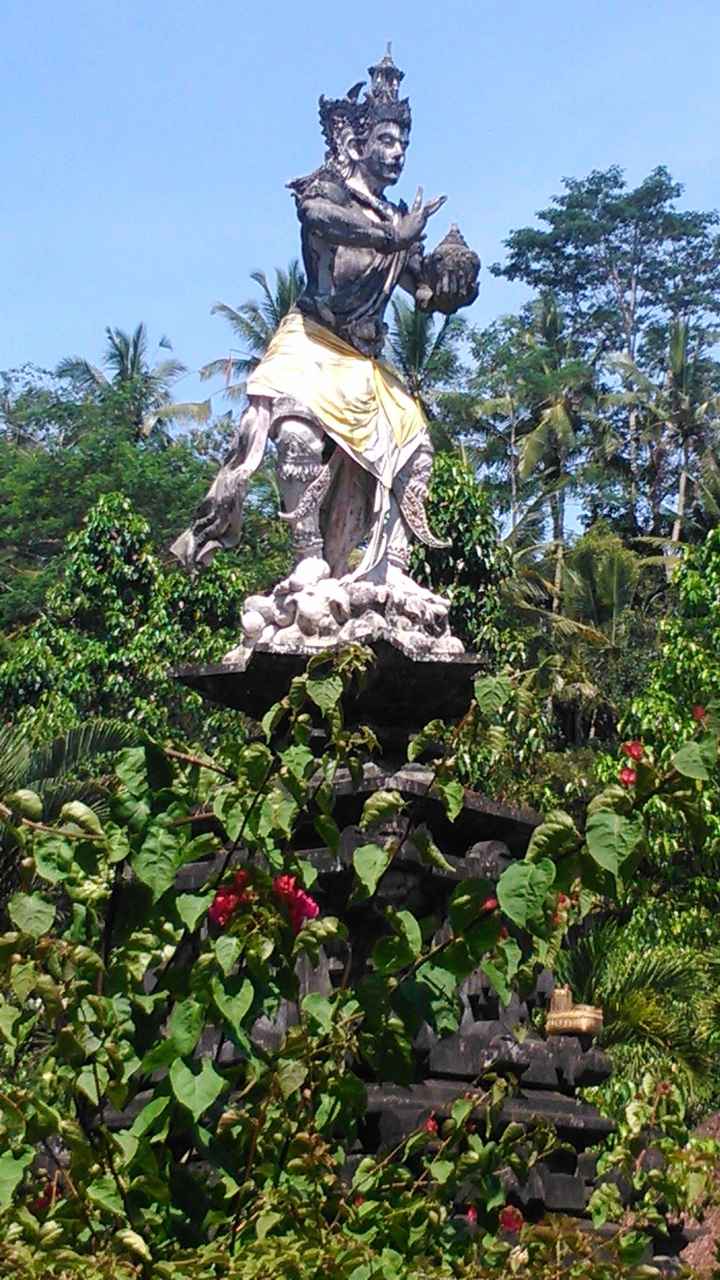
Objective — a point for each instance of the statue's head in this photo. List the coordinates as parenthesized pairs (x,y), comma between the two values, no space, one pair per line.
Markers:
(371,134)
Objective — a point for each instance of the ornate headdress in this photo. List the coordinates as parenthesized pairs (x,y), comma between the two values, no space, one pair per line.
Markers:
(381,102)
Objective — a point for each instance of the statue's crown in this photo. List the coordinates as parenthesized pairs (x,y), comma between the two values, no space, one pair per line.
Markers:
(380,102)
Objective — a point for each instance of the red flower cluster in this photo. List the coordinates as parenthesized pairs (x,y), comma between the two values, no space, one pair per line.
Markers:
(699,713)
(300,906)
(228,898)
(430,1125)
(50,1192)
(628,777)
(511,1219)
(635,749)
(490,904)
(562,904)
(471,1214)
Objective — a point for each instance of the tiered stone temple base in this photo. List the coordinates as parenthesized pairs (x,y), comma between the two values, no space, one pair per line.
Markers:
(400,696)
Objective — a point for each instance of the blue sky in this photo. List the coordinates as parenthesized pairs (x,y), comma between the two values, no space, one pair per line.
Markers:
(145,146)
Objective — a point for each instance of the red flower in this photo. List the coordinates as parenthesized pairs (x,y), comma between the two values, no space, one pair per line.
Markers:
(504,933)
(699,713)
(223,906)
(431,1125)
(299,905)
(228,898)
(628,777)
(563,901)
(511,1219)
(471,1214)
(635,750)
(358,1200)
(50,1193)
(490,904)
(241,880)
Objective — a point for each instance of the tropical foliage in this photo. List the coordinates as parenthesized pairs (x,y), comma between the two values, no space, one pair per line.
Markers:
(577,473)
(121,991)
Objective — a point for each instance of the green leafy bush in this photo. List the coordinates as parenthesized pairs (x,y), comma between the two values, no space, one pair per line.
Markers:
(471,571)
(129,1132)
(115,626)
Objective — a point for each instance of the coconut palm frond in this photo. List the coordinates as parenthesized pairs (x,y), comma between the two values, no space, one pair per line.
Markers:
(533,447)
(191,411)
(427,357)
(249,324)
(229,367)
(84,374)
(627,368)
(254,322)
(238,391)
(167,371)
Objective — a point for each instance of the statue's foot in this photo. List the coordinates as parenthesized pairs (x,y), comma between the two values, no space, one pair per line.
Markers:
(308,572)
(401,582)
(401,585)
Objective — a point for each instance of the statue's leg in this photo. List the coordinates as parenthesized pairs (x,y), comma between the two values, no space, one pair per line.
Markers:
(411,489)
(399,539)
(300,447)
(218,519)
(346,512)
(406,520)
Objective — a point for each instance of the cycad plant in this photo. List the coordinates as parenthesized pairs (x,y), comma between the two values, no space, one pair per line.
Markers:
(655,1002)
(39,778)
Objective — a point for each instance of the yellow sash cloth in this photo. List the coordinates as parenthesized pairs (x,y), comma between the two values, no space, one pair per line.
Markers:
(360,401)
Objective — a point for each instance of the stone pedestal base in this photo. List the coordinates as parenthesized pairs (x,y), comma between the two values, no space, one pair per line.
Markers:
(399,695)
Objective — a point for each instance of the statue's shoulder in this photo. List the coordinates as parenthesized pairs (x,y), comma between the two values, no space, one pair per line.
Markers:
(326,183)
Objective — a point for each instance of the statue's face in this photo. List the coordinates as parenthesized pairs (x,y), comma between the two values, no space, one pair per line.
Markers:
(383,156)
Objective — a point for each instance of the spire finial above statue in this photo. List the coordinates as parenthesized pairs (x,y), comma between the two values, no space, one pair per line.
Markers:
(385,78)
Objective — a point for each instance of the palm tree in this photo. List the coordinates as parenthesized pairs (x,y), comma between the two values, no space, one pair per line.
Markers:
(679,418)
(425,355)
(557,392)
(148,386)
(600,582)
(255,322)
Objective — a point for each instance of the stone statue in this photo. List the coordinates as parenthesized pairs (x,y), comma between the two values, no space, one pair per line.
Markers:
(353,449)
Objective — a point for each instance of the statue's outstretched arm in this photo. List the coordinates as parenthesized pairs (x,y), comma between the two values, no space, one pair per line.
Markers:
(218,519)
(340,224)
(411,277)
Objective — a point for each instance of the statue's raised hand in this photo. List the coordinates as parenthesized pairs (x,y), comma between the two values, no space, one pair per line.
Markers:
(412,224)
